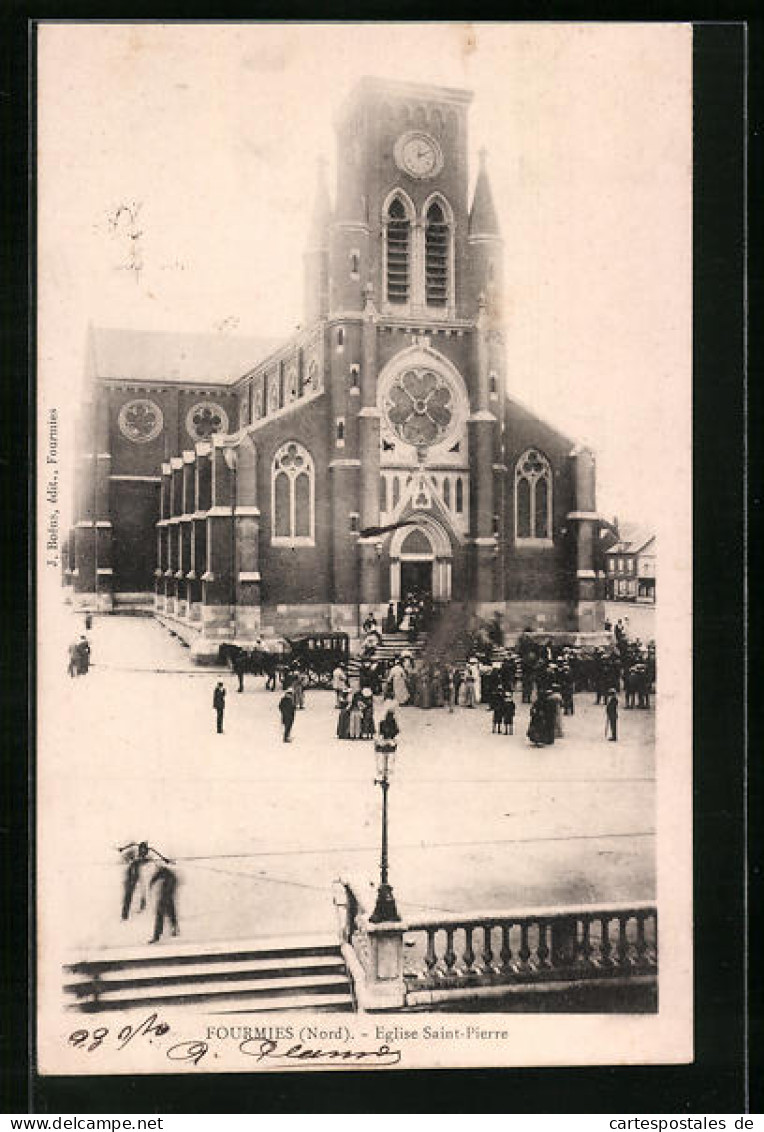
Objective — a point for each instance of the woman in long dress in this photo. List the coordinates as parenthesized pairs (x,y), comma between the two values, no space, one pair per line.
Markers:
(400,687)
(356,717)
(391,622)
(555,698)
(298,689)
(343,720)
(367,714)
(536,724)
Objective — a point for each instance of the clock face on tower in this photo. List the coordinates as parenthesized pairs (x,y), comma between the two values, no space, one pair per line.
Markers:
(418,154)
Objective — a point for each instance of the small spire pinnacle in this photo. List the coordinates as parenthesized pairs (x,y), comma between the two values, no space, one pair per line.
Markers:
(483,218)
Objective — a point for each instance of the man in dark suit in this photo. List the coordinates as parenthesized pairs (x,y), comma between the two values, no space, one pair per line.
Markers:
(287,709)
(166,882)
(137,858)
(218,702)
(239,667)
(611,712)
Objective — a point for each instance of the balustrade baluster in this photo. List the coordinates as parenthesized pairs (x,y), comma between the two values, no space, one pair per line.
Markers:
(564,941)
(450,954)
(487,955)
(542,951)
(431,955)
(623,943)
(605,945)
(505,955)
(641,941)
(468,955)
(586,941)
(525,951)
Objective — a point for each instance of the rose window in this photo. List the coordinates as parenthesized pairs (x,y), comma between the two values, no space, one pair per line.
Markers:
(420,407)
(140,421)
(205,419)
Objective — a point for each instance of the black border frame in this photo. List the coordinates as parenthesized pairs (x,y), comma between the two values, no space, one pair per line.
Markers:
(718,1080)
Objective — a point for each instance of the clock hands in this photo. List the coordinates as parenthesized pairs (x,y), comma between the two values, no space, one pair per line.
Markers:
(418,155)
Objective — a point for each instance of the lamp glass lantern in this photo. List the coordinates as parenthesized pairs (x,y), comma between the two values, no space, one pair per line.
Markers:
(385,756)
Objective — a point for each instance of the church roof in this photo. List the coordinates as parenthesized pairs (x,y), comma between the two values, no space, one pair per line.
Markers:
(160,356)
(633,538)
(483,218)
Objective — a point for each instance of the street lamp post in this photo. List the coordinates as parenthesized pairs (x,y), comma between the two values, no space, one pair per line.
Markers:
(385,910)
(230,455)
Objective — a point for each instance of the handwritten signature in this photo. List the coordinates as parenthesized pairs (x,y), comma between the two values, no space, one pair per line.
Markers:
(285,1055)
(268,1051)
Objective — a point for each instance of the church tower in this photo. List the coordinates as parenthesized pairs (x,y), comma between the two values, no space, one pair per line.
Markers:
(316,259)
(411,273)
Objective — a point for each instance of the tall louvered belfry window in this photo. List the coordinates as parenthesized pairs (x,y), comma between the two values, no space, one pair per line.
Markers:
(398,253)
(436,257)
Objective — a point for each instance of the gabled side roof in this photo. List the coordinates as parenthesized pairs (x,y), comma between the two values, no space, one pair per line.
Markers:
(634,538)
(158,356)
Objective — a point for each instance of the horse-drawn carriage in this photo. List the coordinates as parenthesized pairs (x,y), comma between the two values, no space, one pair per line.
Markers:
(316,655)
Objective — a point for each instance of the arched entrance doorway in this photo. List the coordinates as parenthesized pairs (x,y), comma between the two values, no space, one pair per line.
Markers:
(420,560)
(417,560)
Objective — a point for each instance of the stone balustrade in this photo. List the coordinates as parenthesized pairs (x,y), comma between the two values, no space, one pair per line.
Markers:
(443,957)
(594,941)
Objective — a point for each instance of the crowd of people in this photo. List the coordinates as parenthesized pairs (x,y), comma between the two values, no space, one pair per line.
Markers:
(549,674)
(546,671)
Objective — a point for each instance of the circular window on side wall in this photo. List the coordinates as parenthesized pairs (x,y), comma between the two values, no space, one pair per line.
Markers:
(140,420)
(205,419)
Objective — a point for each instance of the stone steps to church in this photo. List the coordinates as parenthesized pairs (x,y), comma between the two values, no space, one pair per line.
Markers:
(294,973)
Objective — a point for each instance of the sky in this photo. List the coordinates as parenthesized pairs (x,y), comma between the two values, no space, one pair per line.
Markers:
(209,135)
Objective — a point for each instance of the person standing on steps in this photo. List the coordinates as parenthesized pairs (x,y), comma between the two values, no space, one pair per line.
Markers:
(218,703)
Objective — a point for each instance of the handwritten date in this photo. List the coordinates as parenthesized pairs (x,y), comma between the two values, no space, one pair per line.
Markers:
(90,1040)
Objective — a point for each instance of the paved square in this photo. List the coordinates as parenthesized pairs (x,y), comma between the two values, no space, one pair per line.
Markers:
(260,829)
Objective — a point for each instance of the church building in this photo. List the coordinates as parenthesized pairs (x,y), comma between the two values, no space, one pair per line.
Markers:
(249,488)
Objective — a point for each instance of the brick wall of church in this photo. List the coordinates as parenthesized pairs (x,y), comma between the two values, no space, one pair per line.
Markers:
(301,574)
(539,573)
(131,458)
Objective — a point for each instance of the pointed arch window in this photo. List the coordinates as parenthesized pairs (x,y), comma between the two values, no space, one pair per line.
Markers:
(533,498)
(437,256)
(398,252)
(293,496)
